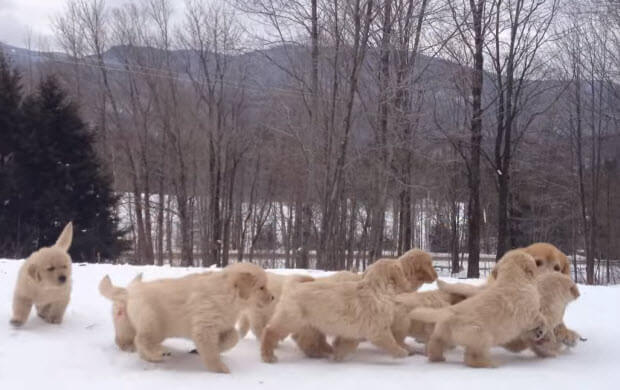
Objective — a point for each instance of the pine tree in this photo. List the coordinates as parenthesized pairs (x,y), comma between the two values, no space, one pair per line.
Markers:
(60,179)
(10,122)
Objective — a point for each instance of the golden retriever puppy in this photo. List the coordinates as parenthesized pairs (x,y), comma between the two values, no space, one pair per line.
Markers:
(503,311)
(352,310)
(417,267)
(556,292)
(416,264)
(124,330)
(551,259)
(548,259)
(203,308)
(45,281)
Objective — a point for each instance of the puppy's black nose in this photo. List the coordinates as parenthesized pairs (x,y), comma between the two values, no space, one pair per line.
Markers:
(62,278)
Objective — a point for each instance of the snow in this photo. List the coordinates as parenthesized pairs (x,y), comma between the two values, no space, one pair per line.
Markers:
(81,351)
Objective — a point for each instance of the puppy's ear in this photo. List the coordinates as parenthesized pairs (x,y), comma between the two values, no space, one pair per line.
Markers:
(426,273)
(244,282)
(397,277)
(565,266)
(575,291)
(34,273)
(529,269)
(65,238)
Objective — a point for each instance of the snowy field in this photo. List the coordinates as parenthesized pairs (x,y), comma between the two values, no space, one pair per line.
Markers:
(80,353)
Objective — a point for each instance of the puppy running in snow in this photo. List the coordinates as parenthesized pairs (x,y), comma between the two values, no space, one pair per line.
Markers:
(501,312)
(45,281)
(556,292)
(351,310)
(202,307)
(417,267)
(548,259)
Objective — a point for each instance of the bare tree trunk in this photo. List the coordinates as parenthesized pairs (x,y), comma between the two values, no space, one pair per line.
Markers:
(473,205)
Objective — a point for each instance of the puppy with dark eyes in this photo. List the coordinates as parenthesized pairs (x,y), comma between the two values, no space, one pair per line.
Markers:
(548,259)
(44,280)
(503,311)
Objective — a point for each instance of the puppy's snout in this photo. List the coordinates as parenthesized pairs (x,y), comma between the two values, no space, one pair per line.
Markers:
(62,278)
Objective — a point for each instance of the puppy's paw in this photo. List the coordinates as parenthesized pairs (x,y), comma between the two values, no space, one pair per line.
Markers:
(481,364)
(54,320)
(410,349)
(338,357)
(218,367)
(400,353)
(152,356)
(16,322)
(567,337)
(270,358)
(436,359)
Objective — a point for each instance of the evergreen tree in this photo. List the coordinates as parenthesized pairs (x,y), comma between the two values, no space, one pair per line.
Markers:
(60,179)
(10,122)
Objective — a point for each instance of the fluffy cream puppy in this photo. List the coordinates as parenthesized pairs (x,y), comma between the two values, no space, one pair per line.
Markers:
(416,264)
(124,330)
(417,267)
(556,292)
(501,312)
(203,308)
(45,281)
(548,259)
(352,310)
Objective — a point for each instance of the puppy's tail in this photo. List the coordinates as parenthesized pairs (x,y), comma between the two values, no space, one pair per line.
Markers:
(293,280)
(429,315)
(113,293)
(302,278)
(462,289)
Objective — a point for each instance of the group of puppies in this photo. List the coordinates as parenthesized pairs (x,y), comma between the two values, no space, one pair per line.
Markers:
(520,307)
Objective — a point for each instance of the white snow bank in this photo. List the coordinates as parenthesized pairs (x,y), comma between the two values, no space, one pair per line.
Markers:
(80,353)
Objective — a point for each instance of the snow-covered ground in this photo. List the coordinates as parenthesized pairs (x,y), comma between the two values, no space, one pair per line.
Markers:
(80,353)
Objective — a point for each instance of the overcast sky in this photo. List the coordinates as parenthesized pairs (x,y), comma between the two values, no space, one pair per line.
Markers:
(19,18)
